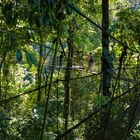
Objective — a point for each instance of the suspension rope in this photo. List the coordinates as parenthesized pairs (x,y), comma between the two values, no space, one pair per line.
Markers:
(94,112)
(34,90)
(134,111)
(77,10)
(58,80)
(44,86)
(133,116)
(49,90)
(52,82)
(127,79)
(25,93)
(124,52)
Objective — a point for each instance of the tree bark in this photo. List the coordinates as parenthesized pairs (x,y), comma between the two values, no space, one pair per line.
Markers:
(106,59)
(67,76)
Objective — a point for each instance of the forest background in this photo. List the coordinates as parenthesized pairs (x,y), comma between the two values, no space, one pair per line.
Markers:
(45,97)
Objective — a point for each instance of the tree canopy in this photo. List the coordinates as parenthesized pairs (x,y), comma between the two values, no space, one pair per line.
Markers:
(48,90)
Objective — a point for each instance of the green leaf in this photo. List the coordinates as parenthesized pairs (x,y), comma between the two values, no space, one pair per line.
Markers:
(31,58)
(68,11)
(28,57)
(19,55)
(8,7)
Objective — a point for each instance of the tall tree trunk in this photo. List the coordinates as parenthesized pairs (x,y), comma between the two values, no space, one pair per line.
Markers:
(106,59)
(106,62)
(67,76)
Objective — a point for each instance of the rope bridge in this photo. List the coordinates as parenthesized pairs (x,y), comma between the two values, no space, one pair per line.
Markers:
(120,122)
(91,116)
(124,114)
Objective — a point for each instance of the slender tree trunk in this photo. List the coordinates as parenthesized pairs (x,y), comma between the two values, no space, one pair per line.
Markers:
(106,60)
(67,77)
(67,95)
(67,85)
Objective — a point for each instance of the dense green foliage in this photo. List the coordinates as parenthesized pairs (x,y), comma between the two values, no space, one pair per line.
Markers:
(40,99)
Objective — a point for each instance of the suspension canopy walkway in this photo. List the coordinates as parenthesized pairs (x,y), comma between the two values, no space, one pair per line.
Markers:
(88,115)
(112,119)
(111,124)
(121,125)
